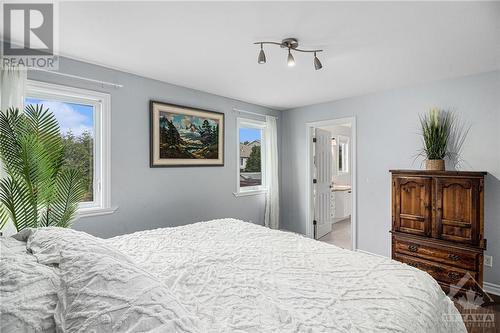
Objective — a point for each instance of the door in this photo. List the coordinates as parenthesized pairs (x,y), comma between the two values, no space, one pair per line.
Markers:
(457,209)
(323,159)
(412,205)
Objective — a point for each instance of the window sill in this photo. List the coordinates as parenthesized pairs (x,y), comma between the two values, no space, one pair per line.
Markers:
(87,212)
(250,192)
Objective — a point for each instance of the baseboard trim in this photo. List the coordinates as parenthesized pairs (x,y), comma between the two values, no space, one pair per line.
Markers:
(371,253)
(489,287)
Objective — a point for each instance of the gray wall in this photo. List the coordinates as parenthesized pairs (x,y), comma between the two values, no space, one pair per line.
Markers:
(387,127)
(150,198)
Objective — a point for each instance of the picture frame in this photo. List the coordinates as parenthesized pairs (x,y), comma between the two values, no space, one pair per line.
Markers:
(182,136)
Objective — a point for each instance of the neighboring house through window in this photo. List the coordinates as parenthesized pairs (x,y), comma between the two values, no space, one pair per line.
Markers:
(251,175)
(84,121)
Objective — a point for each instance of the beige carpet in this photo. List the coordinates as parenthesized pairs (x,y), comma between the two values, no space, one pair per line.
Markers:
(340,234)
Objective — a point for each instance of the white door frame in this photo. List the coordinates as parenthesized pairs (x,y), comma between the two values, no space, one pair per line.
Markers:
(309,174)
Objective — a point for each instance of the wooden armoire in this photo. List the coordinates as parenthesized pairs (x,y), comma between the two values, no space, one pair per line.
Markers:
(438,224)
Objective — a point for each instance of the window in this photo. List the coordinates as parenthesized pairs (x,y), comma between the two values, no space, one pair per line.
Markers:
(250,175)
(83,117)
(343,154)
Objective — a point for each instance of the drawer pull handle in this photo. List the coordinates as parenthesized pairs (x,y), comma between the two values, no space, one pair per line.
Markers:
(413,264)
(453,257)
(453,276)
(412,248)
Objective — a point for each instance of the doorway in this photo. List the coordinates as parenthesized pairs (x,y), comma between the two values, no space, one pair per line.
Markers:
(331,177)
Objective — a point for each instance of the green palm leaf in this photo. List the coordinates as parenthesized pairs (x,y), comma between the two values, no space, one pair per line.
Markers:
(69,190)
(15,196)
(4,216)
(44,125)
(11,124)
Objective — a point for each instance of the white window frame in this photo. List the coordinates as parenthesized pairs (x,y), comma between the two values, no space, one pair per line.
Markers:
(344,142)
(102,138)
(251,190)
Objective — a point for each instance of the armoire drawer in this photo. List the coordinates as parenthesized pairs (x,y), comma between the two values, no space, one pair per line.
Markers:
(445,255)
(442,273)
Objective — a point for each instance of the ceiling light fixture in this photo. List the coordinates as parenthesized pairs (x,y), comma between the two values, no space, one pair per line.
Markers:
(291,44)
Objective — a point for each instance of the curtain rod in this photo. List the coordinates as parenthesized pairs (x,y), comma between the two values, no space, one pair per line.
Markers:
(254,113)
(103,83)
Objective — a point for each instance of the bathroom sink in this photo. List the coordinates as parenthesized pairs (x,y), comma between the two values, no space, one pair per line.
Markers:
(338,187)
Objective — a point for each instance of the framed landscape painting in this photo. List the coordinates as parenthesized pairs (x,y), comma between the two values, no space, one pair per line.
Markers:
(184,136)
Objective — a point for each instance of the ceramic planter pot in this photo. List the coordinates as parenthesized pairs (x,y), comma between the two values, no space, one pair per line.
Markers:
(434,165)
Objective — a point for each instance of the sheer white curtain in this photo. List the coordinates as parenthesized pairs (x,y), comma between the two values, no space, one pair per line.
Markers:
(272,182)
(12,87)
(12,93)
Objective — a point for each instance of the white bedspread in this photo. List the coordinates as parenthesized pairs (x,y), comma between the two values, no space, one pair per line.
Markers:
(240,277)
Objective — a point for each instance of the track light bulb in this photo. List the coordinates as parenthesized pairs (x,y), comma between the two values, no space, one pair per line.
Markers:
(317,63)
(262,56)
(290,59)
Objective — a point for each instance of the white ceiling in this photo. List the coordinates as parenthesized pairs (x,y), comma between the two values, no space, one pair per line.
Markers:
(208,46)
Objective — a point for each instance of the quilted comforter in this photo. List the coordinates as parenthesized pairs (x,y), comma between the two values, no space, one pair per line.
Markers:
(240,277)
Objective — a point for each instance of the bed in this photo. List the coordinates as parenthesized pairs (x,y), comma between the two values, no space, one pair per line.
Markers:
(223,276)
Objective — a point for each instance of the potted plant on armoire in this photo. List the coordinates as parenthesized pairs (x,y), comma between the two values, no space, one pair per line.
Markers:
(443,136)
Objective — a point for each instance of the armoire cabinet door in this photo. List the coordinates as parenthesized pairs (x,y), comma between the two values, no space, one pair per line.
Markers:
(412,209)
(457,215)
